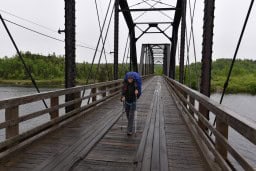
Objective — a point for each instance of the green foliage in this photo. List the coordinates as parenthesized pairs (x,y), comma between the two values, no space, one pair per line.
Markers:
(42,67)
(49,70)
(158,69)
(243,77)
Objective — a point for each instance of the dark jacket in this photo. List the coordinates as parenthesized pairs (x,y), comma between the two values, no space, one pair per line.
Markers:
(129,91)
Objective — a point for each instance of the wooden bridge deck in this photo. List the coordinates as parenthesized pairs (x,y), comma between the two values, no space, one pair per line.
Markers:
(96,141)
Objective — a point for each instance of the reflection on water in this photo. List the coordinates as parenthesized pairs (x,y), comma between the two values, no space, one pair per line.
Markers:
(244,105)
(9,92)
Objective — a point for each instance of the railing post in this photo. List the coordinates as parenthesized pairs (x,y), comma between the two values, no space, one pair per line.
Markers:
(54,102)
(12,114)
(94,98)
(222,128)
(110,86)
(104,88)
(192,101)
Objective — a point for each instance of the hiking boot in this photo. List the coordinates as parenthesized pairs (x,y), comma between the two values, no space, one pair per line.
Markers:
(129,133)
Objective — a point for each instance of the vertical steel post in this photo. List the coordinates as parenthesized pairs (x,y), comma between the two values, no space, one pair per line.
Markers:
(173,51)
(165,61)
(167,51)
(70,49)
(205,85)
(133,51)
(151,61)
(141,66)
(176,23)
(116,41)
(182,42)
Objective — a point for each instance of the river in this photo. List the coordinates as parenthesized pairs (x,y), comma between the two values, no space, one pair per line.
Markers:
(243,104)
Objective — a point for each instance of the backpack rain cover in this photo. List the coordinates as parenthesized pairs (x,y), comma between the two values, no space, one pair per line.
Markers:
(137,79)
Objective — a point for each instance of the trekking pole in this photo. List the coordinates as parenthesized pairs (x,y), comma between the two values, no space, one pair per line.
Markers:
(135,117)
(123,111)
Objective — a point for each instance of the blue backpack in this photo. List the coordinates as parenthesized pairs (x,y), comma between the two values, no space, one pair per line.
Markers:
(137,78)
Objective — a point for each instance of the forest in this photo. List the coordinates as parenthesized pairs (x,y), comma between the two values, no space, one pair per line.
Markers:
(49,71)
(242,80)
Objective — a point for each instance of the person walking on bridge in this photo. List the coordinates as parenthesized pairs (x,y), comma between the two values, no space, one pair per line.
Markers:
(130,93)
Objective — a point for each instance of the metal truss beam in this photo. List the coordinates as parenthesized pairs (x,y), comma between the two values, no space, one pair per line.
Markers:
(147,9)
(130,24)
(176,22)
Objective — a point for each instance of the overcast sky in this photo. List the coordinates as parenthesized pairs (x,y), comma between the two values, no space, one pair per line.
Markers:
(229,17)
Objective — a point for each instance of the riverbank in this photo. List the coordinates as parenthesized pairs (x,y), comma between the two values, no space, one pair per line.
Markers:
(243,84)
(55,83)
(237,85)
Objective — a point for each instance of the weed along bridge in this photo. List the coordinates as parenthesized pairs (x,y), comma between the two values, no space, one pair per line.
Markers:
(85,127)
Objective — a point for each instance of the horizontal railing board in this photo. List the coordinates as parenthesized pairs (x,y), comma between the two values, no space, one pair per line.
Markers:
(240,159)
(111,87)
(16,101)
(7,103)
(244,126)
(200,132)
(21,137)
(49,110)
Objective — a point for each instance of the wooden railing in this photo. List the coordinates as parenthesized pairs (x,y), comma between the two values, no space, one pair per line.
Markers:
(97,93)
(225,118)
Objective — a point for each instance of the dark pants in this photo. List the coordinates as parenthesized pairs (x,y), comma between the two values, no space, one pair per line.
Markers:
(130,110)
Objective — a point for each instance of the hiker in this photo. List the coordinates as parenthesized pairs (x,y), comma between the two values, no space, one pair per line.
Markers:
(131,91)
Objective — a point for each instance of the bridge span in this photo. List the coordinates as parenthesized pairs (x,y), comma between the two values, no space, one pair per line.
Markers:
(97,140)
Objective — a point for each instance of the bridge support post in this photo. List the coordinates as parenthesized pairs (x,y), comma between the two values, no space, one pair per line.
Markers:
(70,54)
(12,114)
(54,102)
(141,66)
(133,51)
(205,85)
(151,60)
(165,62)
(176,23)
(222,128)
(93,91)
(173,52)
(116,39)
(192,101)
(182,42)
(167,57)
(104,88)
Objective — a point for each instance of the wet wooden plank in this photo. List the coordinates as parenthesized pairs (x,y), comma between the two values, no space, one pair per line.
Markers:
(182,151)
(155,159)
(163,148)
(160,138)
(83,141)
(93,165)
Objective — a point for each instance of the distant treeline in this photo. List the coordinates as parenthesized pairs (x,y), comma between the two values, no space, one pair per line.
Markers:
(49,70)
(243,77)
(52,68)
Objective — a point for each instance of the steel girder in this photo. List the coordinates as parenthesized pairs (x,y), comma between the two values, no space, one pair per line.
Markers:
(116,39)
(176,23)
(205,85)
(130,24)
(182,42)
(70,49)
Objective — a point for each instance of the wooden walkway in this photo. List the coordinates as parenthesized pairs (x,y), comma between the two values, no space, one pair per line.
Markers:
(98,140)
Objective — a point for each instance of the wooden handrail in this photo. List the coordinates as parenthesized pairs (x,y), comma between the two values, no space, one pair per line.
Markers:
(11,106)
(45,95)
(224,115)
(244,126)
(51,109)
